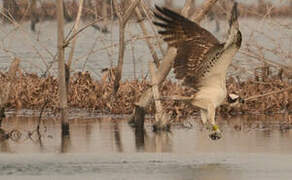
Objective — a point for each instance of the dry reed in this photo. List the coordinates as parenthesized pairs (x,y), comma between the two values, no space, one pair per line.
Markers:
(31,91)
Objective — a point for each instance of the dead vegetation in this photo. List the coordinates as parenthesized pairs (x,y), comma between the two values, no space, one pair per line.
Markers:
(31,91)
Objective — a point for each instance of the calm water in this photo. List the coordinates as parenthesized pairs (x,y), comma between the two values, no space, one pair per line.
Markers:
(107,148)
(95,50)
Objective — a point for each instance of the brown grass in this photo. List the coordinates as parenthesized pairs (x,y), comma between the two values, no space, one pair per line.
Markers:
(31,91)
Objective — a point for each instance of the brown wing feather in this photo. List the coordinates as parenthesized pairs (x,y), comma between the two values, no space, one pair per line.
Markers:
(201,71)
(192,42)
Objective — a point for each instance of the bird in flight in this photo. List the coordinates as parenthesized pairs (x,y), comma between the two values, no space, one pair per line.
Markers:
(201,61)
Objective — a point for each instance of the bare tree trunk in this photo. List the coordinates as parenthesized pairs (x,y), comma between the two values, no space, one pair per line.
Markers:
(167,63)
(148,13)
(123,19)
(118,72)
(61,70)
(34,18)
(145,33)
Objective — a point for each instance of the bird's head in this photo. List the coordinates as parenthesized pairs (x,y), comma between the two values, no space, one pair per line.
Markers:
(234,99)
(234,35)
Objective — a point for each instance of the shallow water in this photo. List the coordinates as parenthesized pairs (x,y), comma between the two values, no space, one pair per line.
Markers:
(103,147)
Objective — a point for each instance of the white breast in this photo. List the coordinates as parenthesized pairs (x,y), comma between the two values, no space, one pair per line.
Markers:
(213,86)
(215,95)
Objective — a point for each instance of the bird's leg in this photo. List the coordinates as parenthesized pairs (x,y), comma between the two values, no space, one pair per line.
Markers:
(204,116)
(204,113)
(211,117)
(203,104)
(208,114)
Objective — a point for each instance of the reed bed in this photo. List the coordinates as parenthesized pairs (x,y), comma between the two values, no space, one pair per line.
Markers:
(32,92)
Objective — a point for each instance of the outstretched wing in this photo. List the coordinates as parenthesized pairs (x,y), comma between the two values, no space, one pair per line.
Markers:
(194,45)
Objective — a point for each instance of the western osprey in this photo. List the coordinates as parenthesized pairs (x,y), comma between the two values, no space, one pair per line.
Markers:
(201,60)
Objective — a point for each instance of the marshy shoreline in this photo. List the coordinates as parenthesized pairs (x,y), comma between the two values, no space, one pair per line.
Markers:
(31,91)
(103,82)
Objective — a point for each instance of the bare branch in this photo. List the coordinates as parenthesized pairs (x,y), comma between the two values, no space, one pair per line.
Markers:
(124,17)
(268,94)
(68,40)
(130,10)
(144,30)
(147,10)
(75,28)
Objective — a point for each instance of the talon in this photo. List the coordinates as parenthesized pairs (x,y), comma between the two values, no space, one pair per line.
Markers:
(215,135)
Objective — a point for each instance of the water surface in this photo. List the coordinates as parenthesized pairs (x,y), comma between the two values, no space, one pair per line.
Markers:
(102,147)
(96,51)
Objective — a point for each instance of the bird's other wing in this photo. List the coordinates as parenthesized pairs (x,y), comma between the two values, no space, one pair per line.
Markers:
(193,44)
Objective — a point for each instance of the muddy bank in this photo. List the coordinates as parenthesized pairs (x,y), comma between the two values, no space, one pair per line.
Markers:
(31,91)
